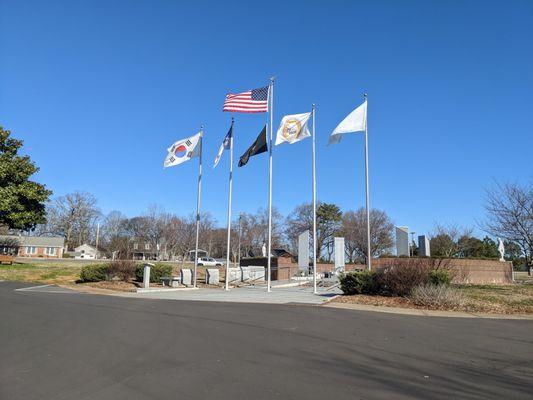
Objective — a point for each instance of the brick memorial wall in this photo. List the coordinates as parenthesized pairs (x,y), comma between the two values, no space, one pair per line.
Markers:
(463,270)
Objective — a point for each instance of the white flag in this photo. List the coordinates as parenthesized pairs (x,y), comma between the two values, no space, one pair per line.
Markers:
(293,128)
(183,150)
(354,122)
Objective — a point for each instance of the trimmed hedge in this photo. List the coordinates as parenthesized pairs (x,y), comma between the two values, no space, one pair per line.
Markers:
(363,282)
(94,273)
(156,272)
(439,277)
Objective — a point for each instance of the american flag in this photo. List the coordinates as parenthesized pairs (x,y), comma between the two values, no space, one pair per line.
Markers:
(252,101)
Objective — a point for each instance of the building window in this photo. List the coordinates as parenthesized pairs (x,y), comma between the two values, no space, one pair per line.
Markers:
(50,251)
(31,250)
(147,246)
(135,246)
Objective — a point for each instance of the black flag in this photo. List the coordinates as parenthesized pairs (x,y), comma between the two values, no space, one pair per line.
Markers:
(258,146)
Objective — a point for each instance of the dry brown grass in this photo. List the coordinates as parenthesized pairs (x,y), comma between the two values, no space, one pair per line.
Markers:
(49,274)
(505,299)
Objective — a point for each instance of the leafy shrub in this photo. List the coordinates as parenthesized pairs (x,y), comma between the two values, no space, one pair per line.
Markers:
(358,283)
(156,272)
(439,277)
(437,297)
(401,277)
(94,273)
(123,270)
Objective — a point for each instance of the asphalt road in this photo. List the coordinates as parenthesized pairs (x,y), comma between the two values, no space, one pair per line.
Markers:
(79,346)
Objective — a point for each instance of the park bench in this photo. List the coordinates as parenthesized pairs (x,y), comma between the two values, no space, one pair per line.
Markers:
(6,258)
(173,281)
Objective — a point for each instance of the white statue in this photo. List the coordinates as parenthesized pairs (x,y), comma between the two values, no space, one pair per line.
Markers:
(264,250)
(501,249)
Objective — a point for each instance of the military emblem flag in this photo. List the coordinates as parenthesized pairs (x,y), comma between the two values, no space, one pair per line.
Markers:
(293,128)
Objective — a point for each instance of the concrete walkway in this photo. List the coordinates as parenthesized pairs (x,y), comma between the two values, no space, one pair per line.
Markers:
(251,294)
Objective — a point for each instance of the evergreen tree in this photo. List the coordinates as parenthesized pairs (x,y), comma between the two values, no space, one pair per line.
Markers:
(22,201)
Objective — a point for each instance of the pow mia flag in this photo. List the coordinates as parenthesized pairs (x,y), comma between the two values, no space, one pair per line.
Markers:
(258,146)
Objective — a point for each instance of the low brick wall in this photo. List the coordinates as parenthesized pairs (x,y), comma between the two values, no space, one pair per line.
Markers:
(479,272)
(284,268)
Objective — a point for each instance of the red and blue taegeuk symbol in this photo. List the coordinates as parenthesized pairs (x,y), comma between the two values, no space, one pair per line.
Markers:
(180,151)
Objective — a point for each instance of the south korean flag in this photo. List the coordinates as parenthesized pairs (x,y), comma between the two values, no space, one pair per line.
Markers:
(183,150)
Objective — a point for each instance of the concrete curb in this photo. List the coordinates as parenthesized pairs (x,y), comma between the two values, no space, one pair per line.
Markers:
(425,313)
(143,290)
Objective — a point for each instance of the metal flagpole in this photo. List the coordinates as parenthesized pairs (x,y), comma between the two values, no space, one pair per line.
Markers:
(271,112)
(97,237)
(314,205)
(229,201)
(240,233)
(369,252)
(198,197)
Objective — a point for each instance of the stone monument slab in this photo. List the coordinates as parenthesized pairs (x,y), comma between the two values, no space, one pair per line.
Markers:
(339,253)
(212,276)
(303,250)
(257,273)
(423,246)
(245,274)
(186,276)
(402,241)
(234,275)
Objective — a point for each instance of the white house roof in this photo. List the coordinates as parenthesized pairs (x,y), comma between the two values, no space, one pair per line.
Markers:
(85,247)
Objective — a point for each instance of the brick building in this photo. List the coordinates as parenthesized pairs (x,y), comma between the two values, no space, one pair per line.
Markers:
(37,246)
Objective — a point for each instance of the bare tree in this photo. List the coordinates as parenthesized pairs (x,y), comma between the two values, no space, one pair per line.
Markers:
(509,215)
(354,230)
(114,235)
(73,216)
(180,236)
(328,224)
(254,232)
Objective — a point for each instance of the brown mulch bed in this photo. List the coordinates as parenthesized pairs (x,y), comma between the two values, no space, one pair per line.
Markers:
(384,301)
(121,286)
(118,286)
(472,305)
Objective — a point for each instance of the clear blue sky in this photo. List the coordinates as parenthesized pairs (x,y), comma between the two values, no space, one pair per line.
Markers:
(99,89)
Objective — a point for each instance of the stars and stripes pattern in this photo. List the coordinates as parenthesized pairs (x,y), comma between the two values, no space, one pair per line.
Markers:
(251,101)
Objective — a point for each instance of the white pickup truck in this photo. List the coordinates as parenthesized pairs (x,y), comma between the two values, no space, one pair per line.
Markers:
(208,262)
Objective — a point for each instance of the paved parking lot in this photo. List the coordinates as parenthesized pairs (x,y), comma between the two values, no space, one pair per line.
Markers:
(68,345)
